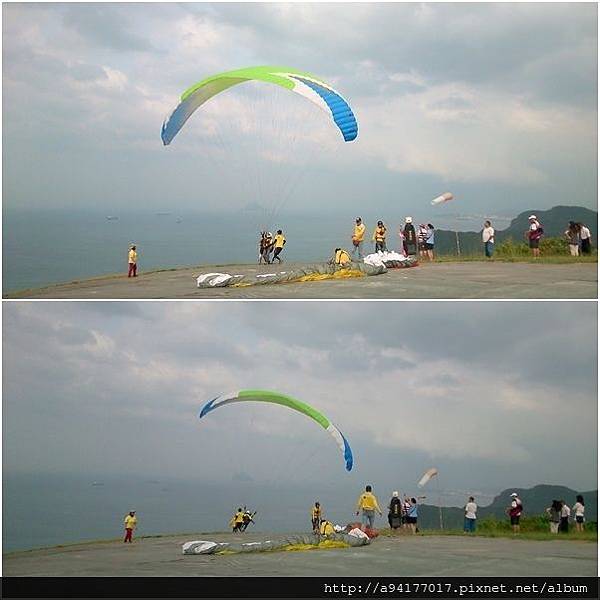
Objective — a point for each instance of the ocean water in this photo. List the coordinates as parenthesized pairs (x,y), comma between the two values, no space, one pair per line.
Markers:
(45,247)
(47,510)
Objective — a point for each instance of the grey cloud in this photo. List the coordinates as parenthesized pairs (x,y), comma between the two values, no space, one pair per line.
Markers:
(108,26)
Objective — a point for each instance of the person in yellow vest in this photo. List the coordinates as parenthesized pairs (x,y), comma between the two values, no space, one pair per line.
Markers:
(379,237)
(341,258)
(358,238)
(279,244)
(130,525)
(326,528)
(316,517)
(132,262)
(237,521)
(367,503)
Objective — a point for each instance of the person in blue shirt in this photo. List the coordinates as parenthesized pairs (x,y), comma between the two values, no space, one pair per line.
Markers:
(430,241)
(412,515)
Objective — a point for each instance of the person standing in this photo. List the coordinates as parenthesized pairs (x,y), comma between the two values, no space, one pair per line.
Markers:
(573,238)
(579,510)
(130,525)
(515,510)
(279,244)
(565,513)
(405,509)
(367,503)
(358,238)
(395,511)
(534,235)
(553,512)
(586,239)
(412,516)
(430,241)
(316,517)
(266,245)
(237,521)
(488,237)
(379,237)
(470,515)
(422,233)
(410,237)
(132,260)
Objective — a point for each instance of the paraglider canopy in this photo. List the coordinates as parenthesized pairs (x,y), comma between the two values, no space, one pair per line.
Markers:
(446,197)
(300,82)
(289,402)
(427,476)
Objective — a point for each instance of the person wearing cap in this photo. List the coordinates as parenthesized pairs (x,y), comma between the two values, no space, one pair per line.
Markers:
(515,510)
(410,237)
(130,525)
(534,234)
(132,259)
(488,238)
(367,503)
(379,237)
(395,511)
(358,238)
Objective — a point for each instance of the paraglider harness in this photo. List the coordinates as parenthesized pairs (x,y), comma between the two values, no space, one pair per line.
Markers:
(395,513)
(247,519)
(265,245)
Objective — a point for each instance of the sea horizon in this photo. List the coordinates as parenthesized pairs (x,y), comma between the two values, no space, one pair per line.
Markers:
(42,248)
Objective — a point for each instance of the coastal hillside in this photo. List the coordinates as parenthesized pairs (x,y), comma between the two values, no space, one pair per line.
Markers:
(535,501)
(554,221)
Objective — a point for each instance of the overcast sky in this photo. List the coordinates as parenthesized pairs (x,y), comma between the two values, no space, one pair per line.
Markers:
(495,102)
(493,394)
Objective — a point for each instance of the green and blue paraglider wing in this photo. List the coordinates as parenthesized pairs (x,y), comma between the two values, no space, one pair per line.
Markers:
(289,402)
(305,84)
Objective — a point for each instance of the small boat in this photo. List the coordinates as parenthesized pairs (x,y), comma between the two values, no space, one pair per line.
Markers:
(111,218)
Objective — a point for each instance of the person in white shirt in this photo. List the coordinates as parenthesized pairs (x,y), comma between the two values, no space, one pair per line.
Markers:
(488,238)
(534,235)
(586,239)
(579,510)
(565,513)
(470,515)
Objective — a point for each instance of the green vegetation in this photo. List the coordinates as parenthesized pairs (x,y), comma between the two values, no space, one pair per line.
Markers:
(532,528)
(553,250)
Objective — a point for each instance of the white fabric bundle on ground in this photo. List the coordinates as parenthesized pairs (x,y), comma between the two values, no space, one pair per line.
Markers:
(215,279)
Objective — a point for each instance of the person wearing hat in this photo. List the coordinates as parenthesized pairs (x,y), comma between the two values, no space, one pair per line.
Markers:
(515,510)
(379,237)
(130,525)
(132,261)
(358,238)
(534,234)
(395,511)
(409,237)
